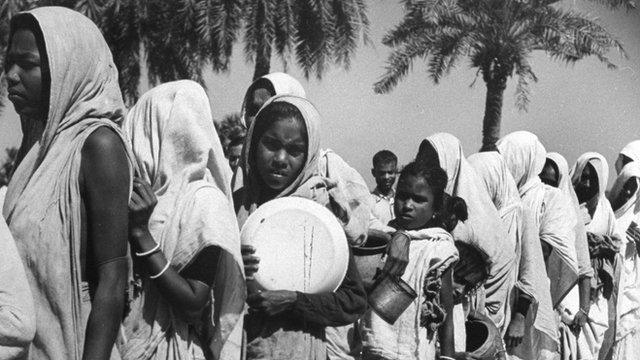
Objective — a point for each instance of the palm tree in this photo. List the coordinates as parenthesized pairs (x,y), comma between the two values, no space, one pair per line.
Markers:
(498,37)
(178,39)
(319,31)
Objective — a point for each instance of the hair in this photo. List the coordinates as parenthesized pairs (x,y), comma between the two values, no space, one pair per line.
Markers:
(29,22)
(270,114)
(236,137)
(470,254)
(384,157)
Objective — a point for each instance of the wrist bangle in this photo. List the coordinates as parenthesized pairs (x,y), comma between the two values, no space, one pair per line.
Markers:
(446,357)
(150,252)
(161,272)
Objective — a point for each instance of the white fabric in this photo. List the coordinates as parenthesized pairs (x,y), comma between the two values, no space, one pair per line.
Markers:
(627,338)
(431,253)
(484,226)
(632,151)
(519,224)
(42,205)
(178,152)
(565,185)
(283,84)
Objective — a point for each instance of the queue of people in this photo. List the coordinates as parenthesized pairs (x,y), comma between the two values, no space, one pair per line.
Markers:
(121,232)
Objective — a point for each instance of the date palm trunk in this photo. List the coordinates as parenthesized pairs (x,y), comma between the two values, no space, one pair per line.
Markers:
(493,113)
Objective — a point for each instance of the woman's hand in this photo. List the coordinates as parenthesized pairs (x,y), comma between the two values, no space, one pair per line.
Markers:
(515,331)
(578,321)
(250,261)
(397,254)
(272,302)
(141,205)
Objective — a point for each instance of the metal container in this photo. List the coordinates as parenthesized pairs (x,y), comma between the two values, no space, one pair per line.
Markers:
(390,297)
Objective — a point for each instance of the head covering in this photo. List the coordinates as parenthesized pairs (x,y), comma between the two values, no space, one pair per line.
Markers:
(603,220)
(485,228)
(629,211)
(178,151)
(525,158)
(632,151)
(42,205)
(501,187)
(283,84)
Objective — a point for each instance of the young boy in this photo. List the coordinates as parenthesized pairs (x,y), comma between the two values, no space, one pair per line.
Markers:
(385,169)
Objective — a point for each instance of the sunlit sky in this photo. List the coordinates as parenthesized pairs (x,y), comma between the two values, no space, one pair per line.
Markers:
(574,109)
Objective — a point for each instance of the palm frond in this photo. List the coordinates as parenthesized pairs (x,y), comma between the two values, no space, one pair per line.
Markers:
(401,61)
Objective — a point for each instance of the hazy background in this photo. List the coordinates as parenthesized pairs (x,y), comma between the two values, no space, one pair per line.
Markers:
(573,109)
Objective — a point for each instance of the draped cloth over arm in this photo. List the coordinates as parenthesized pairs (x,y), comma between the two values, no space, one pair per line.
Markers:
(518,221)
(627,335)
(485,229)
(42,205)
(431,253)
(300,333)
(177,151)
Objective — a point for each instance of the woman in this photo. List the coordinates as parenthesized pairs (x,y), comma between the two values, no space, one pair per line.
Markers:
(281,158)
(263,88)
(419,203)
(553,222)
(531,291)
(589,177)
(183,232)
(485,229)
(66,204)
(556,174)
(624,200)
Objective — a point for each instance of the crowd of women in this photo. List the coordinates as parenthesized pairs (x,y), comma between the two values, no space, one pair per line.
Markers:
(122,228)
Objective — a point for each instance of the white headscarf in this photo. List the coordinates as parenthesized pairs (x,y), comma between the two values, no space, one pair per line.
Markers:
(179,153)
(603,220)
(485,228)
(632,151)
(283,84)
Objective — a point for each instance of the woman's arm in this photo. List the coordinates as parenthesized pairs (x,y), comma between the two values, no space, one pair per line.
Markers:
(187,291)
(342,307)
(105,175)
(445,332)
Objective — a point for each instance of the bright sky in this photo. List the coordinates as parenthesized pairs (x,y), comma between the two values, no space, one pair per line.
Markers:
(573,109)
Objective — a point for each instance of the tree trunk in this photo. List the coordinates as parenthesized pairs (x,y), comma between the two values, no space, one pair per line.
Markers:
(263,60)
(492,113)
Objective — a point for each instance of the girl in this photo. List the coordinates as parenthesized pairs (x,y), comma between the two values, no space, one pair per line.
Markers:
(484,226)
(281,158)
(419,213)
(189,291)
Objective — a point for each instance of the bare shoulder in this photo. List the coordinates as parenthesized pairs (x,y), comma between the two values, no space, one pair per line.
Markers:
(104,156)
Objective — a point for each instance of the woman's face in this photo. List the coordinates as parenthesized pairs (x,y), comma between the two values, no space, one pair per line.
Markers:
(629,188)
(24,75)
(549,175)
(281,152)
(414,205)
(255,100)
(587,186)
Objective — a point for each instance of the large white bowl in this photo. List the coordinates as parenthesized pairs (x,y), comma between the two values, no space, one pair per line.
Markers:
(301,246)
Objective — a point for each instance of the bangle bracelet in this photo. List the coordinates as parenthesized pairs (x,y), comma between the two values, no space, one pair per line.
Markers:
(150,252)
(161,272)
(446,357)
